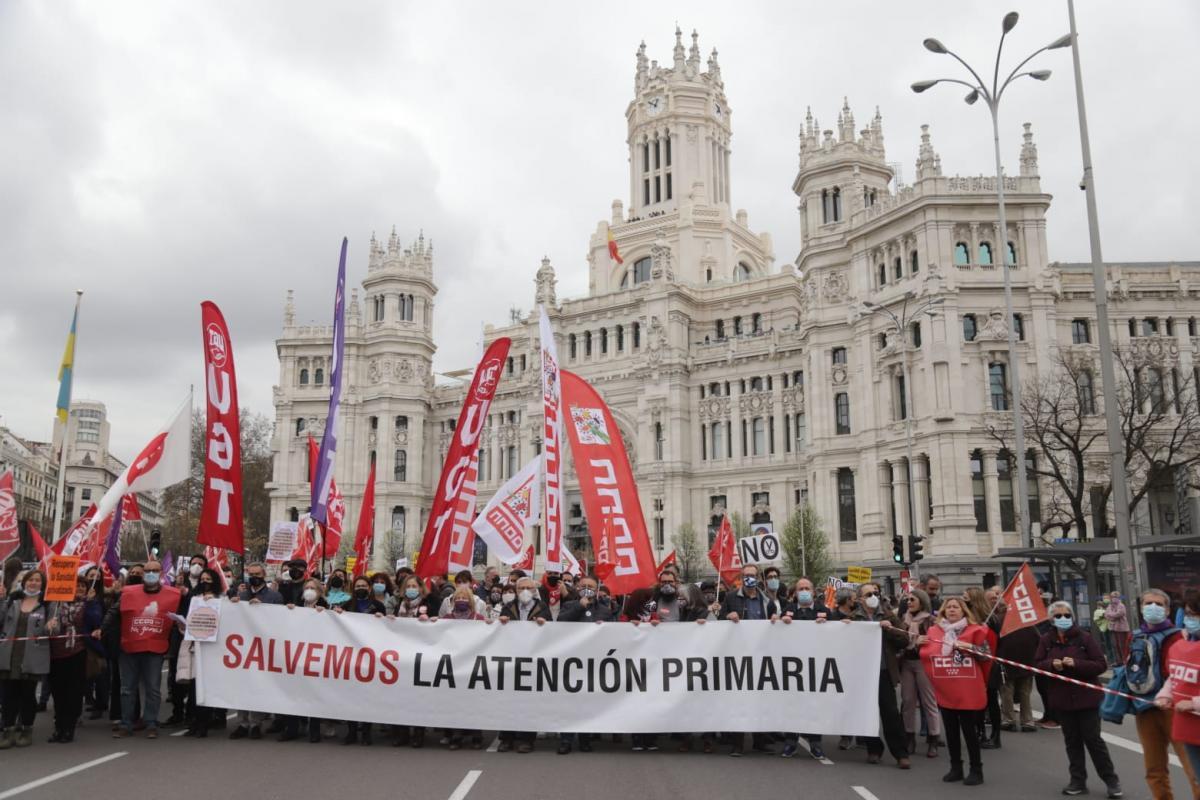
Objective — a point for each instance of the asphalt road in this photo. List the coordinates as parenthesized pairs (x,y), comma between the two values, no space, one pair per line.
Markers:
(1029,765)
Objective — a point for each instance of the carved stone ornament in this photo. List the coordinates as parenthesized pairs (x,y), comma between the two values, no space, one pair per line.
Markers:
(404,371)
(1158,351)
(373,371)
(402,436)
(691,134)
(660,263)
(836,287)
(839,375)
(994,330)
(718,510)
(371,438)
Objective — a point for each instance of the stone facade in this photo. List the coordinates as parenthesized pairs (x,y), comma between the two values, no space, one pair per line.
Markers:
(738,383)
(35,478)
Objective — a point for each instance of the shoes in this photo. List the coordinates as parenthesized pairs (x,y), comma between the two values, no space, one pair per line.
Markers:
(736,753)
(990,743)
(845,743)
(1074,789)
(953,776)
(175,719)
(121,732)
(276,726)
(255,732)
(911,742)
(525,747)
(816,751)
(974,777)
(418,739)
(351,737)
(56,738)
(152,733)
(637,748)
(503,748)
(1008,726)
(903,763)
(24,738)
(402,738)
(707,746)
(789,750)
(201,732)
(1049,724)
(652,747)
(564,748)
(240,732)
(476,743)
(872,758)
(452,746)
(1028,727)
(1115,791)
(8,738)
(367,741)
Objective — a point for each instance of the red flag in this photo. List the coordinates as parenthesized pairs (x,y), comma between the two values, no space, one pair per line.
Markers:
(364,537)
(666,562)
(221,523)
(40,548)
(613,252)
(130,510)
(610,497)
(10,534)
(217,558)
(526,562)
(69,543)
(1024,603)
(314,452)
(724,555)
(332,535)
(446,523)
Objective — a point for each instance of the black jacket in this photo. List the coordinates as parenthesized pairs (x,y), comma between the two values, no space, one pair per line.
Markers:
(576,612)
(736,602)
(808,614)
(373,606)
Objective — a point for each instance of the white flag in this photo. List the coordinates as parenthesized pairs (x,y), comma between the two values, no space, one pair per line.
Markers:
(552,444)
(162,462)
(511,511)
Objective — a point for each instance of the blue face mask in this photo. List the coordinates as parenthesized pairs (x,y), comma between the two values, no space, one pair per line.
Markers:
(804,596)
(1063,623)
(150,578)
(379,588)
(773,584)
(1192,625)
(1153,614)
(412,593)
(749,582)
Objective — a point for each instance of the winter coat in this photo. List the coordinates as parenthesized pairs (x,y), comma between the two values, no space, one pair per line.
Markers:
(36,660)
(265,595)
(370,606)
(736,603)
(576,612)
(1089,664)
(959,679)
(805,613)
(539,611)
(895,639)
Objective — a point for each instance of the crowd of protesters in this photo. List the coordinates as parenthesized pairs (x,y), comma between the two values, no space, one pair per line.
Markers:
(103,655)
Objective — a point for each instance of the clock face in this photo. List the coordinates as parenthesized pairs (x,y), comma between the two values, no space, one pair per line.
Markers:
(656,105)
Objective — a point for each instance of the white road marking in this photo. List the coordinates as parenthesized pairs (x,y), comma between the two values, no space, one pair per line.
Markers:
(824,760)
(1126,744)
(231,715)
(181,733)
(463,787)
(25,787)
(494,746)
(864,793)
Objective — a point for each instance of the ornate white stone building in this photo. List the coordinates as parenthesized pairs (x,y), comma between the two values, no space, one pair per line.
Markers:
(738,382)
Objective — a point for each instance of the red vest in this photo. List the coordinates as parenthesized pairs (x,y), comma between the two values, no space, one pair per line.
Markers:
(1183,666)
(145,627)
(959,679)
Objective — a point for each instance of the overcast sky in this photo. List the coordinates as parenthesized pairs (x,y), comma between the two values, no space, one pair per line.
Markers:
(156,154)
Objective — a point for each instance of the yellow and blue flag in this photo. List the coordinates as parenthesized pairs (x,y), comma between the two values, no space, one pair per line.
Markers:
(68,365)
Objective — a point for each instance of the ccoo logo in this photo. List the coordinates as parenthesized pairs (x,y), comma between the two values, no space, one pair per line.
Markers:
(218,351)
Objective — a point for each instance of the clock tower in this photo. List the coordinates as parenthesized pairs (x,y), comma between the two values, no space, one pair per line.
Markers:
(678,132)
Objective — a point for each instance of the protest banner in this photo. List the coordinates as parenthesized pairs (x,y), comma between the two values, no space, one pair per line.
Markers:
(858,575)
(747,676)
(203,619)
(282,541)
(60,578)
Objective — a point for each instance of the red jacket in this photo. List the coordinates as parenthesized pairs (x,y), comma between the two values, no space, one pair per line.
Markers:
(145,626)
(959,679)
(1183,669)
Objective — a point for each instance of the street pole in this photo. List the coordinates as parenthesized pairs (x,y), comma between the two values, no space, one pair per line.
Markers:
(1128,569)
(1014,360)
(908,415)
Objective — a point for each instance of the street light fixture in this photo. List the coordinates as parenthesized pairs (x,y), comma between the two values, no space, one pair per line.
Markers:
(991,96)
(903,323)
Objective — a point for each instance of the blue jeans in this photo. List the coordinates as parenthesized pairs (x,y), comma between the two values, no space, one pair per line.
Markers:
(144,670)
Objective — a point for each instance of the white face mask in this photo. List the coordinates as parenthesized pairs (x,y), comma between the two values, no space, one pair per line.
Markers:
(507,597)
(310,595)
(195,569)
(525,595)
(872,601)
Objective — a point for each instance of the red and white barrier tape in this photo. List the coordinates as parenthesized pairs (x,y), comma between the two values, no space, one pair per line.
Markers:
(1055,675)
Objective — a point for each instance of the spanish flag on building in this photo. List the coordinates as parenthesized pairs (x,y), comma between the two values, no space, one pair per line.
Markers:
(613,253)
(68,365)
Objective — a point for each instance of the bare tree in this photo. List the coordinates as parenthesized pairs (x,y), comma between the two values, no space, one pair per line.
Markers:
(689,551)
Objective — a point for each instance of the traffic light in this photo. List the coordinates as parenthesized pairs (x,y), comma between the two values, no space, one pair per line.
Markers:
(915,546)
(155,542)
(898,549)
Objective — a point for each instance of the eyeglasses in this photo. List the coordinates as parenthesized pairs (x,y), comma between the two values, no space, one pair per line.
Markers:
(1062,616)
(870,594)
(1153,603)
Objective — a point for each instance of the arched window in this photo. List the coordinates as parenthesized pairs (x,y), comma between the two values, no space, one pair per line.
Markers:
(998,385)
(658,441)
(300,425)
(304,377)
(1087,393)
(720,329)
(587,344)
(603,341)
(831,205)
(847,514)
(898,267)
(756,384)
(620,338)
(841,408)
(294,514)
(756,323)
(571,346)
(398,516)
(985,254)
(882,274)
(962,254)
(1012,254)
(741,272)
(737,326)
(401,423)
(319,376)
(637,335)
(758,439)
(400,466)
(914,263)
(641,270)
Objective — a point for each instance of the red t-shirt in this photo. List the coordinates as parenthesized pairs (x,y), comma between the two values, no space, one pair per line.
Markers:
(145,626)
(959,679)
(1183,667)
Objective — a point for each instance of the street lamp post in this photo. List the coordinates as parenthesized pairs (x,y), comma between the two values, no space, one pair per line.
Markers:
(991,97)
(902,324)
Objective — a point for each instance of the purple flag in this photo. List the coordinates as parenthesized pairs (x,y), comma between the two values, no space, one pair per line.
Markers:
(112,547)
(168,566)
(320,486)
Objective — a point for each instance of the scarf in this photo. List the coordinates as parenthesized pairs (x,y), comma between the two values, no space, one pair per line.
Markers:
(951,631)
(336,597)
(913,621)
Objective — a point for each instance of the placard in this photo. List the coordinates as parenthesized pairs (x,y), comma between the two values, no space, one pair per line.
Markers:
(858,575)
(61,575)
(282,542)
(762,549)
(203,620)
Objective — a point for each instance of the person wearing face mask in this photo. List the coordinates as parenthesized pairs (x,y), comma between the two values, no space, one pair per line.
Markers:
(774,588)
(95,606)
(916,690)
(383,590)
(410,605)
(206,584)
(1150,650)
(23,663)
(336,594)
(490,583)
(141,616)
(1181,691)
(257,592)
(871,608)
(584,609)
(361,602)
(68,663)
(1069,651)
(182,697)
(312,597)
(463,607)
(749,602)
(1117,616)
(805,606)
(463,578)
(527,607)
(554,593)
(959,680)
(672,603)
(1020,646)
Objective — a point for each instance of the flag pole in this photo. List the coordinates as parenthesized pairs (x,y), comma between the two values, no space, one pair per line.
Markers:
(62,456)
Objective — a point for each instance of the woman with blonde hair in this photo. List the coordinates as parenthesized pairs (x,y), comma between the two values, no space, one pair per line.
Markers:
(959,680)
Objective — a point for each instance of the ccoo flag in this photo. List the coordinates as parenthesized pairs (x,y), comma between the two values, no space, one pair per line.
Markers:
(321,486)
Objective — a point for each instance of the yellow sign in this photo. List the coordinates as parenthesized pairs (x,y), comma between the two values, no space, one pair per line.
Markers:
(350,562)
(858,574)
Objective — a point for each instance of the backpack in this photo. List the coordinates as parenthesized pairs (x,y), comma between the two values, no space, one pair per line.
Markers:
(1113,708)
(1143,666)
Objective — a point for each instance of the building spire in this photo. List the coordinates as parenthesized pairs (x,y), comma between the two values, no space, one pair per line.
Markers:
(643,67)
(714,68)
(694,53)
(1029,156)
(680,62)
(845,122)
(929,163)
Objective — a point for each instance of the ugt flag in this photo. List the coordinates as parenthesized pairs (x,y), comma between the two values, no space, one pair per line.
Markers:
(221,523)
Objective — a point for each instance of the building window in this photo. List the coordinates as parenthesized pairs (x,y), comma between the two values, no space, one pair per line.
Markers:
(660,534)
(300,423)
(401,423)
(373,422)
(510,461)
(587,344)
(841,407)
(1087,393)
(847,517)
(985,254)
(1191,326)
(883,274)
(319,376)
(1031,484)
(304,377)
(962,254)
(637,335)
(509,365)
(882,341)
(1081,332)
(406,307)
(720,329)
(1019,327)
(571,345)
(981,521)
(1012,254)
(620,338)
(798,378)
(759,436)
(970,327)
(839,355)
(603,341)
(898,267)
(294,514)
(1133,327)
(831,205)
(1154,390)
(1169,326)
(901,398)
(719,443)
(1004,468)
(801,431)
(741,273)
(400,466)
(998,385)
(915,334)
(756,323)
(398,519)
(756,384)
(1149,326)
(481,471)
(85,495)
(658,441)
(737,326)
(641,270)
(914,263)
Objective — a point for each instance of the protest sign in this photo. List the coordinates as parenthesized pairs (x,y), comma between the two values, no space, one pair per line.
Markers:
(60,578)
(282,541)
(203,619)
(858,575)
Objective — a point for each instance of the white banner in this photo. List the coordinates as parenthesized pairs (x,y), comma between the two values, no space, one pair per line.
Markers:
(610,678)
